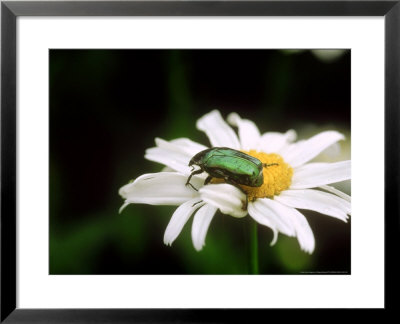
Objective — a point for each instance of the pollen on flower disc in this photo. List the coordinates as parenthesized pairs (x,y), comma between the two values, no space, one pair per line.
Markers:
(277,176)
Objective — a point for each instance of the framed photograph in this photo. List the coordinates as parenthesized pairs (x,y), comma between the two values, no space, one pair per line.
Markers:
(163,159)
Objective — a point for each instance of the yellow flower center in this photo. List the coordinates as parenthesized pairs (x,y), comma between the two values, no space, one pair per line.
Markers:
(277,176)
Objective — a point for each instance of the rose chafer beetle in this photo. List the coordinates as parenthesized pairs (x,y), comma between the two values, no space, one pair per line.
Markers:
(235,167)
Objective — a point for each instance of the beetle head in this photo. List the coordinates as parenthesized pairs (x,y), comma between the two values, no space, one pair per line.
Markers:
(257,182)
(196,159)
(192,161)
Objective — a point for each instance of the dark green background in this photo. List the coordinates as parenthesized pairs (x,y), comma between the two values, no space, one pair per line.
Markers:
(106,108)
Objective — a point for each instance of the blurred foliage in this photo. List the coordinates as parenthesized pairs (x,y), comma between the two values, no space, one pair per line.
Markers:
(106,108)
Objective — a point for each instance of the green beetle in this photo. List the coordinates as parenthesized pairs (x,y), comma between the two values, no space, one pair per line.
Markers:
(235,167)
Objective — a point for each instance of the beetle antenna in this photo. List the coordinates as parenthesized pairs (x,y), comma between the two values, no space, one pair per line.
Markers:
(266,165)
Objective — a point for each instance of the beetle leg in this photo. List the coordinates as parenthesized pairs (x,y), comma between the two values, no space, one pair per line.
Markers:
(191,175)
(193,187)
(233,183)
(207,181)
(244,205)
(196,203)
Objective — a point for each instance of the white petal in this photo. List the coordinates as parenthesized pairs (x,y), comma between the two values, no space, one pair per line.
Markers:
(332,151)
(318,174)
(319,201)
(269,213)
(249,134)
(288,150)
(336,192)
(328,55)
(175,154)
(167,169)
(172,160)
(218,131)
(188,146)
(274,142)
(275,237)
(304,234)
(123,207)
(200,225)
(227,198)
(163,188)
(179,219)
(310,148)
(260,217)
(286,219)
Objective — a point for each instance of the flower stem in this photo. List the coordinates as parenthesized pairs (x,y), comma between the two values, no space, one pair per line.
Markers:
(253,248)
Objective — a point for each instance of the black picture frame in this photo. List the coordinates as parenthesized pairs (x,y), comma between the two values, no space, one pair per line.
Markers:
(10,10)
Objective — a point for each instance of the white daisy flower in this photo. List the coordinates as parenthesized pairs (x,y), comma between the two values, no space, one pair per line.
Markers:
(293,183)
